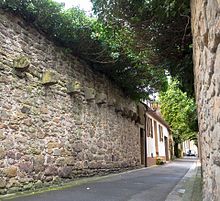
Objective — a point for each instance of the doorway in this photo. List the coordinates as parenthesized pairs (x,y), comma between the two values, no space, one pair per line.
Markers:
(143,146)
(156,139)
(166,148)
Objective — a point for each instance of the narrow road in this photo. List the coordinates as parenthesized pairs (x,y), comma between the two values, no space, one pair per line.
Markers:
(147,184)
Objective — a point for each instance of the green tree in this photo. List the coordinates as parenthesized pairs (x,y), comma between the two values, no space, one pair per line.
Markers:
(180,112)
(161,27)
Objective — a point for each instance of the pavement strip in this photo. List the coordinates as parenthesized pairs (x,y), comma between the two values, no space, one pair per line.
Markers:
(183,191)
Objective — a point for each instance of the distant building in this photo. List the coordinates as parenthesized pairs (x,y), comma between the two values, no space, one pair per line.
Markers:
(189,148)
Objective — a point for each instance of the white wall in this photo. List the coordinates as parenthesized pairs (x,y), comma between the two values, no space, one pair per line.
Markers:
(189,145)
(151,141)
(161,144)
(151,149)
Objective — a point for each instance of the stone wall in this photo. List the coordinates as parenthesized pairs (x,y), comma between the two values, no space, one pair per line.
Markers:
(58,119)
(206,38)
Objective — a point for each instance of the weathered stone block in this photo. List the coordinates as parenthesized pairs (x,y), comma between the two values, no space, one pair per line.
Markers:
(141,112)
(60,161)
(65,172)
(56,152)
(2,153)
(134,117)
(217,60)
(26,167)
(74,87)
(35,150)
(118,107)
(125,112)
(130,113)
(89,93)
(40,134)
(70,160)
(49,77)
(11,154)
(78,165)
(51,146)
(21,63)
(50,171)
(44,109)
(133,107)
(38,163)
(20,74)
(216,160)
(11,171)
(25,109)
(2,135)
(48,179)
(2,182)
(94,165)
(111,102)
(101,98)
(13,182)
(29,76)
(3,126)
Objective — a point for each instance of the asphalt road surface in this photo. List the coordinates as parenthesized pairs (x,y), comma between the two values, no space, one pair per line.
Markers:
(147,184)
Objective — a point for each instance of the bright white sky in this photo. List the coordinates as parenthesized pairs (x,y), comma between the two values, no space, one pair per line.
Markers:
(83,4)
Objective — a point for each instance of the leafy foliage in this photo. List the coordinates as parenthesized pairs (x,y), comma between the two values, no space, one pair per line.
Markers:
(105,48)
(180,112)
(162,27)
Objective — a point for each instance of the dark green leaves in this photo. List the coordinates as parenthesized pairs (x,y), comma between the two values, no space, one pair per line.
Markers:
(162,27)
(111,50)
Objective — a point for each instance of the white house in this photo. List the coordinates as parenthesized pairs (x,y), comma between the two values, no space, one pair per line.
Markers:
(158,137)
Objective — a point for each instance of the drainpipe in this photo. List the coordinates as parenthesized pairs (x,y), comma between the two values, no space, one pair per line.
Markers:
(145,127)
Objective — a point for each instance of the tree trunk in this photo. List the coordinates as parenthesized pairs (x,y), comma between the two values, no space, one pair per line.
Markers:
(176,150)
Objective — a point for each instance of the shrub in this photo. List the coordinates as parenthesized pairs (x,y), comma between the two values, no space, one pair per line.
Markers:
(159,161)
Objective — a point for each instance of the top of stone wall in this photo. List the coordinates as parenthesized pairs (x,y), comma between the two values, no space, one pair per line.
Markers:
(51,66)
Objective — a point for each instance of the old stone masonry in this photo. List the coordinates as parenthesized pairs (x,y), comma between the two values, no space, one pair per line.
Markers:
(206,40)
(58,119)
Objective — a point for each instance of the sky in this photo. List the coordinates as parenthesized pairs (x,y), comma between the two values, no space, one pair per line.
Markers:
(83,4)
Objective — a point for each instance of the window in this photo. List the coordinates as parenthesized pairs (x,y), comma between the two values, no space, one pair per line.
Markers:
(150,127)
(161,133)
